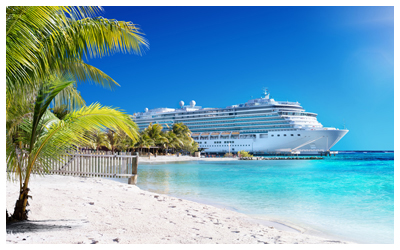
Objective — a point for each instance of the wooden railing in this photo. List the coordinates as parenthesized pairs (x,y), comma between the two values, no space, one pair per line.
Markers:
(98,164)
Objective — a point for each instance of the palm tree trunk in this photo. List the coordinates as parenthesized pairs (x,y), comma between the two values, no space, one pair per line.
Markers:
(20,212)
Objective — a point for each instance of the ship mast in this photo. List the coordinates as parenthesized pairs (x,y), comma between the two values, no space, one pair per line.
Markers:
(266,93)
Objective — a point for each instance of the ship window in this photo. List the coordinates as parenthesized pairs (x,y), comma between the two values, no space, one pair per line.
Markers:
(291,134)
(272,135)
(284,135)
(298,134)
(278,135)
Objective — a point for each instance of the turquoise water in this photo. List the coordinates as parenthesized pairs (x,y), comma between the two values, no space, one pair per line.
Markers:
(349,196)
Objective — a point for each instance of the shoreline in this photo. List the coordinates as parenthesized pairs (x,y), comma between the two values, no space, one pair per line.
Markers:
(282,226)
(67,209)
(266,220)
(174,158)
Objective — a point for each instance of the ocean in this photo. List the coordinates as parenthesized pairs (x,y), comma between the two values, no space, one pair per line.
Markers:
(349,196)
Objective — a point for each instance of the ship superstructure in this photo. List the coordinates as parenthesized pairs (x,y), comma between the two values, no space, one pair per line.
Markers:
(260,125)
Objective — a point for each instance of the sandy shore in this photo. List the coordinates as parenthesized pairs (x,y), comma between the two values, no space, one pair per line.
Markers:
(172,158)
(69,209)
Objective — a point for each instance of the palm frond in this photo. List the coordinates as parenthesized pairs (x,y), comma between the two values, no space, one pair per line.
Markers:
(26,27)
(43,39)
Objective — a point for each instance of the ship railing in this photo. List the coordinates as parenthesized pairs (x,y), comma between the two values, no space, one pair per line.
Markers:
(288,103)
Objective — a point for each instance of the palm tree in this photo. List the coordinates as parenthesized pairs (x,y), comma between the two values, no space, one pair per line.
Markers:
(42,139)
(126,143)
(182,131)
(184,134)
(98,139)
(53,40)
(155,133)
(143,141)
(173,140)
(113,138)
(45,47)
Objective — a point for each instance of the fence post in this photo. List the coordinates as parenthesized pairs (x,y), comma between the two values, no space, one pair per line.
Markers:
(135,162)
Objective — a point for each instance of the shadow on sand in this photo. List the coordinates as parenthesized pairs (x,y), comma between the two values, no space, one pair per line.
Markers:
(38,226)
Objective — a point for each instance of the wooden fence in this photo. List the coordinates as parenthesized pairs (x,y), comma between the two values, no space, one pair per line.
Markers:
(98,164)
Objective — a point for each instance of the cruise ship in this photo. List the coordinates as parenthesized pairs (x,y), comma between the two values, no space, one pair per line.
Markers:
(259,126)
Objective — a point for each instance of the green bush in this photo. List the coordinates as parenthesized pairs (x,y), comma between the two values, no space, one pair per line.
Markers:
(244,154)
(228,155)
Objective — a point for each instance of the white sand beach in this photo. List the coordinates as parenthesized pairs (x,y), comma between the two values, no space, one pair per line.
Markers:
(68,209)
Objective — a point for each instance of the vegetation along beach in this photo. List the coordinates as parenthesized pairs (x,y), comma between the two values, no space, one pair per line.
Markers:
(89,169)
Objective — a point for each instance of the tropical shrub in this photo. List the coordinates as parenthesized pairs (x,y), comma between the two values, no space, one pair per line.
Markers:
(244,154)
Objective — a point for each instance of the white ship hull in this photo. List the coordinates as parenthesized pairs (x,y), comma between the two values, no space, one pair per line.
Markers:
(309,142)
(259,126)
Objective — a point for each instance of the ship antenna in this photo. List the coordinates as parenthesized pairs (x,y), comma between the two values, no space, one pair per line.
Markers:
(266,94)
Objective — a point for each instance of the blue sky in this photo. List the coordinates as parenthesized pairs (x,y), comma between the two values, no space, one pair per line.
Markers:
(336,61)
